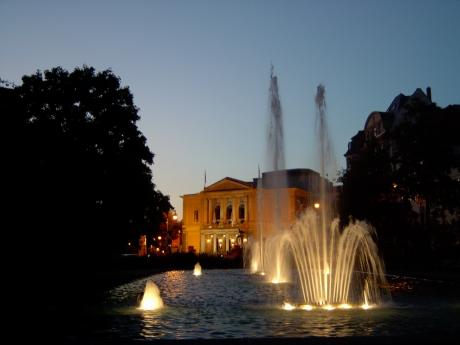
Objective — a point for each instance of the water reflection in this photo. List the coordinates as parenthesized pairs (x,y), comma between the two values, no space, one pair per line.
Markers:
(151,325)
(231,303)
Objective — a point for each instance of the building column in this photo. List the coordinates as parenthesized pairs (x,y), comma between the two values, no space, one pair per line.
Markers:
(214,241)
(202,244)
(204,213)
(246,206)
(235,209)
(223,208)
(211,211)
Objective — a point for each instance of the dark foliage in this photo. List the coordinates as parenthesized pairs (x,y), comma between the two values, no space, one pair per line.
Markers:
(79,168)
(405,184)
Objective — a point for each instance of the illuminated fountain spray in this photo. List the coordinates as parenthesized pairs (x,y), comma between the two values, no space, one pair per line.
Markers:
(335,268)
(151,299)
(197,269)
(271,195)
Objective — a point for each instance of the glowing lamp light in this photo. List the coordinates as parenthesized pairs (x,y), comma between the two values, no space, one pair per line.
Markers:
(288,306)
(307,307)
(316,205)
(344,306)
(366,306)
(328,307)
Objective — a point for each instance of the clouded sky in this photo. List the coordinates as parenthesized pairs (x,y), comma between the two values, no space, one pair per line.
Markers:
(199,70)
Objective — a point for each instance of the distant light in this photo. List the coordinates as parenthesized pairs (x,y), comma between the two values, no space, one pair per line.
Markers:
(366,306)
(395,185)
(245,240)
(306,307)
(328,307)
(129,243)
(175,217)
(316,205)
(159,237)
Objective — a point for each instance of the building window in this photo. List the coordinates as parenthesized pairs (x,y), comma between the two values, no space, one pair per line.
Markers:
(241,212)
(195,216)
(217,213)
(229,213)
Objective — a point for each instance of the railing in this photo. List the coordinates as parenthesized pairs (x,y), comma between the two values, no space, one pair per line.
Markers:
(223,224)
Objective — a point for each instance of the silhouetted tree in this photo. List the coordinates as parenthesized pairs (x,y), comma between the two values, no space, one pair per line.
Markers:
(82,177)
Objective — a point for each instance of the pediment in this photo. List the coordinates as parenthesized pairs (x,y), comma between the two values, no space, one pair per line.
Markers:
(228,183)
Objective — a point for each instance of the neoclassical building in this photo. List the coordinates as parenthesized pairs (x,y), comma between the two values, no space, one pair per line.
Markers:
(225,214)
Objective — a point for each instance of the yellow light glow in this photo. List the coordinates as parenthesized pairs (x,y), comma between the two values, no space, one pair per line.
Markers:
(151,299)
(344,306)
(245,240)
(366,306)
(208,241)
(328,307)
(275,281)
(288,306)
(307,307)
(316,205)
(197,269)
(159,237)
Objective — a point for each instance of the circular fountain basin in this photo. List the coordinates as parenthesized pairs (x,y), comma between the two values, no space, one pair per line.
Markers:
(237,304)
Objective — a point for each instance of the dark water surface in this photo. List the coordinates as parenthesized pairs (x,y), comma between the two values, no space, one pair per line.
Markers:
(234,304)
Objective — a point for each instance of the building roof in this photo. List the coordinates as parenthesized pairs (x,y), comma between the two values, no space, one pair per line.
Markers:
(228,183)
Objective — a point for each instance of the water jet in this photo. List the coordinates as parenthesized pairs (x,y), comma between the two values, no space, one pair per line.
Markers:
(151,299)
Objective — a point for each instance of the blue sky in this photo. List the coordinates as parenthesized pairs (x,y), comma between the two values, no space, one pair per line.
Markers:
(199,70)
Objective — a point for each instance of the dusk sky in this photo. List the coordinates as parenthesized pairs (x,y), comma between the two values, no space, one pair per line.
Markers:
(199,70)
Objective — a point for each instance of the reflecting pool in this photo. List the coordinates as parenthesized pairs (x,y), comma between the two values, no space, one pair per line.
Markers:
(237,304)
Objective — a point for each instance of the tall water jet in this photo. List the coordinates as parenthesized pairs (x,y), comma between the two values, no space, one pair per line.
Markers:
(197,269)
(271,194)
(151,299)
(334,267)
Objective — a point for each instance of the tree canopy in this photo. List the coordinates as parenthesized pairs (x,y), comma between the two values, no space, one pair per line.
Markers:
(406,183)
(80,166)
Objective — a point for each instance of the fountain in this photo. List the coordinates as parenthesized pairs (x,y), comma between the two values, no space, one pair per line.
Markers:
(197,269)
(151,299)
(333,267)
(327,269)
(266,253)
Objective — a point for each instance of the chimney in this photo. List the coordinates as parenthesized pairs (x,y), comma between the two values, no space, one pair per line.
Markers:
(428,93)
